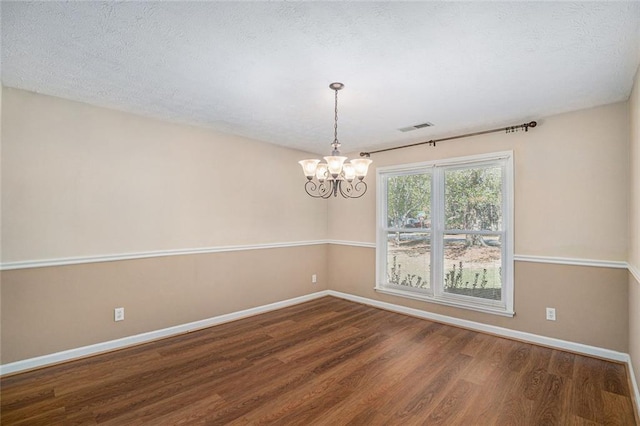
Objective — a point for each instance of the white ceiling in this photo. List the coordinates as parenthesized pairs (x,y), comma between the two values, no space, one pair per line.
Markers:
(262,69)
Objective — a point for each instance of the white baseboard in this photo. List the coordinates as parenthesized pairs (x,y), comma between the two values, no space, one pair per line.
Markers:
(84,351)
(634,384)
(490,329)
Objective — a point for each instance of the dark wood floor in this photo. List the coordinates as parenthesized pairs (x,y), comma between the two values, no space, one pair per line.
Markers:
(325,362)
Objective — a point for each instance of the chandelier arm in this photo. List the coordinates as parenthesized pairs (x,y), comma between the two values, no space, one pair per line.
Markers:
(327,189)
(360,188)
(316,190)
(346,190)
(310,187)
(334,187)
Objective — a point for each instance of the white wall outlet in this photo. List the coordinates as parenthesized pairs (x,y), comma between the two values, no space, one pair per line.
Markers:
(551,314)
(118,314)
(314,278)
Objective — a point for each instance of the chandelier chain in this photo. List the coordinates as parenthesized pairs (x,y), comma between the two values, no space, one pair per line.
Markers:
(335,120)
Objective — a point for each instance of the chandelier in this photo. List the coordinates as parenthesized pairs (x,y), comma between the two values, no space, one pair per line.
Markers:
(337,175)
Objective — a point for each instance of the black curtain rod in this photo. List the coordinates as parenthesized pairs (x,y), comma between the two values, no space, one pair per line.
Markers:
(433,142)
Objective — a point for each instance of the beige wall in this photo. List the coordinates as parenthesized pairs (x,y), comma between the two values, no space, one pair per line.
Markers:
(1,89)
(78,181)
(571,184)
(571,189)
(584,314)
(81,180)
(634,178)
(634,227)
(634,325)
(46,310)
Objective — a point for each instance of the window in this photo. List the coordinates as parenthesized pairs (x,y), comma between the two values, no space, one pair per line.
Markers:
(445,232)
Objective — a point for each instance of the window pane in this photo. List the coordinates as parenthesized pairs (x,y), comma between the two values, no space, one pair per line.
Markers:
(473,199)
(408,201)
(409,259)
(473,265)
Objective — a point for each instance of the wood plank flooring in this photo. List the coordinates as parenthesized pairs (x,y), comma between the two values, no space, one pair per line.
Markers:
(325,362)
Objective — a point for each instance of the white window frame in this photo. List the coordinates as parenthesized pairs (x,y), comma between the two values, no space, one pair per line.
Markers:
(436,293)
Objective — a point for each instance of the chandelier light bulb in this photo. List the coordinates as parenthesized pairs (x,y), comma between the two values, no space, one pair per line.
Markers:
(349,172)
(361,166)
(322,172)
(335,164)
(309,167)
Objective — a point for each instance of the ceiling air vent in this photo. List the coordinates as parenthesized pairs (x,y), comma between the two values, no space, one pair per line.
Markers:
(416,127)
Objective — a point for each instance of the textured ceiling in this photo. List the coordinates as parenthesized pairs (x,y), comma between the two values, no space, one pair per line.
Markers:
(262,69)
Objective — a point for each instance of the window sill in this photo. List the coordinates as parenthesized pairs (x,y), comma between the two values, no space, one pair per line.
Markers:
(426,298)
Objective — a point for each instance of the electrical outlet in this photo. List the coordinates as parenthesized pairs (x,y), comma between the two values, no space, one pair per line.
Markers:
(118,314)
(551,314)
(314,278)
